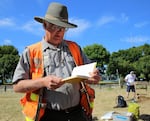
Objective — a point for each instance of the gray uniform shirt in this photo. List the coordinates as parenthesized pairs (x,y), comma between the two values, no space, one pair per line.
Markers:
(59,62)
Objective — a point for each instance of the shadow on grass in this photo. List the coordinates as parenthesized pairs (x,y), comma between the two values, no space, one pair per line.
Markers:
(95,118)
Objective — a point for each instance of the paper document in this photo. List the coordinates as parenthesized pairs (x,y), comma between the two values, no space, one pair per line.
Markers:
(81,73)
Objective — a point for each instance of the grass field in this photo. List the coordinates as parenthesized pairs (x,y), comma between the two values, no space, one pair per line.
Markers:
(104,102)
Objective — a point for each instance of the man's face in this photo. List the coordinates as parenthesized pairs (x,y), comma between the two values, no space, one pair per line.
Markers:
(53,34)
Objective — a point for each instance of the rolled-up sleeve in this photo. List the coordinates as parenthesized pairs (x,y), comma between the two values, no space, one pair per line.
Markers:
(22,70)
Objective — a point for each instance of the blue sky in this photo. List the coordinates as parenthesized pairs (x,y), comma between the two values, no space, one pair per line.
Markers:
(115,24)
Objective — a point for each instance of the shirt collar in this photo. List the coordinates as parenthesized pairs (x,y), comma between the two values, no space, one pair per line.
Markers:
(47,45)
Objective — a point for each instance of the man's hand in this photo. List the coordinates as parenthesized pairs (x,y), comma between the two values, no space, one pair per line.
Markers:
(95,77)
(52,82)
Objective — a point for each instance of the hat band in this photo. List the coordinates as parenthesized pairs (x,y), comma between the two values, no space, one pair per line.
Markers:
(55,18)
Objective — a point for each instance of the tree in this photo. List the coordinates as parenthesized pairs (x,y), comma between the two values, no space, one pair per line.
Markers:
(135,58)
(9,57)
(97,53)
(143,67)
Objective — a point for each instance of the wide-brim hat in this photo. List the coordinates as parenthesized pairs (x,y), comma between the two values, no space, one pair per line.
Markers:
(56,14)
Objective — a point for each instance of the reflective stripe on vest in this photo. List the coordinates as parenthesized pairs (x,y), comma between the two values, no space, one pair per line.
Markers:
(28,119)
(34,97)
(36,70)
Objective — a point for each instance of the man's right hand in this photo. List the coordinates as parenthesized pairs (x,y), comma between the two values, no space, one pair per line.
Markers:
(52,82)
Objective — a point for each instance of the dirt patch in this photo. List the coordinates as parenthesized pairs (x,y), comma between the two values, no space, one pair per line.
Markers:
(142,97)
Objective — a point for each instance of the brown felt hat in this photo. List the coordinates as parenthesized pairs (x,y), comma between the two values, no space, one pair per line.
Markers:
(56,14)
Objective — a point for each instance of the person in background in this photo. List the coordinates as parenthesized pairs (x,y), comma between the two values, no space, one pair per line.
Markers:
(45,64)
(130,82)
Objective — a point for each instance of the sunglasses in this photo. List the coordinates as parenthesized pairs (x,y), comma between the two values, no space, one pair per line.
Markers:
(53,27)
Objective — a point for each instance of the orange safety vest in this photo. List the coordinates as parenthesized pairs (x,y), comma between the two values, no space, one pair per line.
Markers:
(30,100)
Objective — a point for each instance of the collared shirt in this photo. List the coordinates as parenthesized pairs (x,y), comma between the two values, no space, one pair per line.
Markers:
(57,61)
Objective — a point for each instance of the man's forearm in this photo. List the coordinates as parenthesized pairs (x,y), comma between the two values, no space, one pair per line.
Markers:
(27,85)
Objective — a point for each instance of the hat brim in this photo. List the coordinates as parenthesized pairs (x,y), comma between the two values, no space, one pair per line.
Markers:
(56,22)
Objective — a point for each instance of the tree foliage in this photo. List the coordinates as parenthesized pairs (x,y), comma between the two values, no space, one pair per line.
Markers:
(97,53)
(9,57)
(135,58)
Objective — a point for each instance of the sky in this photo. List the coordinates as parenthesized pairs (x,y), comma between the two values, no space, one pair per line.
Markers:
(114,24)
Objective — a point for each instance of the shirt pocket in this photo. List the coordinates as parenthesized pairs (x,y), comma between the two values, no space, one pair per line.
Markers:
(70,61)
(49,65)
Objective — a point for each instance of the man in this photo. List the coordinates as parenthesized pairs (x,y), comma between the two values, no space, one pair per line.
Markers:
(130,81)
(44,65)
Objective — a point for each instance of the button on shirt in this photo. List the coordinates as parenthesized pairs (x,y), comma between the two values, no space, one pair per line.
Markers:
(57,61)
